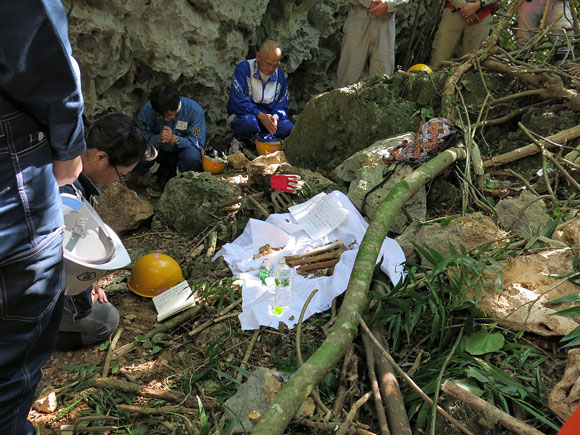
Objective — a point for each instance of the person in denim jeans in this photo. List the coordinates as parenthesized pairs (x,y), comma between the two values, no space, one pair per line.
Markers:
(41,139)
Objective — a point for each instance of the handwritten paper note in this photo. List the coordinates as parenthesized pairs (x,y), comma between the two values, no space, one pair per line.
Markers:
(319,215)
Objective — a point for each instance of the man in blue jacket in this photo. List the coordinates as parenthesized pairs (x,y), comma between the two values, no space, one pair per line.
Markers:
(175,125)
(258,103)
(41,140)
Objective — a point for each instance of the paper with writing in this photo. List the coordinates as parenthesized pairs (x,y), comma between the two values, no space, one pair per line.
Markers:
(174,300)
(319,215)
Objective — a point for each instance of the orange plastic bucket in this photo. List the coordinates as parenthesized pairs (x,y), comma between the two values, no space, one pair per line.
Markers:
(269,147)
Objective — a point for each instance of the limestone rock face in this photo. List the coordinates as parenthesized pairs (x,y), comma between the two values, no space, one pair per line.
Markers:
(365,170)
(471,231)
(122,209)
(525,212)
(189,202)
(337,124)
(124,48)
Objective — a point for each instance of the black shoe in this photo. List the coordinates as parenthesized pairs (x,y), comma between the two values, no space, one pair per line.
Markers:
(164,174)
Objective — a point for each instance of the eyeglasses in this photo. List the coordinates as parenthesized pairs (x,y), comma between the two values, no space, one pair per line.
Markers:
(119,175)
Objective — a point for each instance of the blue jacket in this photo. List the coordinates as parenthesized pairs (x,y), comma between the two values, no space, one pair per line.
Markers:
(250,94)
(188,125)
(37,71)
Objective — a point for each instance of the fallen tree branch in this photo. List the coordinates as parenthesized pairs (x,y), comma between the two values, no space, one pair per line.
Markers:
(345,427)
(410,381)
(396,412)
(380,409)
(298,388)
(141,390)
(529,150)
(110,352)
(164,327)
(490,412)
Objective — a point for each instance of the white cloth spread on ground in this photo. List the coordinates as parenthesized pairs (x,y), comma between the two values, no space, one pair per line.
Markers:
(282,231)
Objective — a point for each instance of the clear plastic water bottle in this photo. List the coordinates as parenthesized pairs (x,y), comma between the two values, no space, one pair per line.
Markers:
(265,270)
(282,276)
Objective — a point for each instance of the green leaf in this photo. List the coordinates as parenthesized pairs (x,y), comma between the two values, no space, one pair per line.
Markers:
(483,342)
(469,386)
(104,346)
(476,374)
(155,349)
(565,299)
(141,338)
(204,424)
(569,312)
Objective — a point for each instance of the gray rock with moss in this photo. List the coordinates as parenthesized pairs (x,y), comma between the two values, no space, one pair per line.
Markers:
(337,124)
(189,202)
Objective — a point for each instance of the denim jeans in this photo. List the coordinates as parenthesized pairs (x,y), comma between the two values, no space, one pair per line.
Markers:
(31,266)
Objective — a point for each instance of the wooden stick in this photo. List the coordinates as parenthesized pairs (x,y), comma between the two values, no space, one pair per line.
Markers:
(383,425)
(226,310)
(164,327)
(161,410)
(325,248)
(342,389)
(259,206)
(345,427)
(141,390)
(410,381)
(528,150)
(211,244)
(110,352)
(334,255)
(491,412)
(396,412)
(248,353)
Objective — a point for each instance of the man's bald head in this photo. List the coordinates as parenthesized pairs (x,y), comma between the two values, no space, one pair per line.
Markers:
(268,57)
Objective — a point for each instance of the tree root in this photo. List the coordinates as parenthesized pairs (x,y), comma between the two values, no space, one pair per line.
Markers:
(490,411)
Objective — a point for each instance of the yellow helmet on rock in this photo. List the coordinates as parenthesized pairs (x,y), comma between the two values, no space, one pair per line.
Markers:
(211,165)
(421,67)
(153,274)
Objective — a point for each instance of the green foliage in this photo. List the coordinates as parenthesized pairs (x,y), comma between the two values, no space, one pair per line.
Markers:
(427,311)
(154,344)
(483,342)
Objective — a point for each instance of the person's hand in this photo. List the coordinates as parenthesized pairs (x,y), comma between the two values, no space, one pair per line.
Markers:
(474,19)
(378,8)
(469,9)
(269,121)
(98,294)
(286,183)
(67,171)
(166,135)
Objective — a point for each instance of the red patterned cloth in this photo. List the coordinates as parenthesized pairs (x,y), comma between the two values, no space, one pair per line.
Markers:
(434,136)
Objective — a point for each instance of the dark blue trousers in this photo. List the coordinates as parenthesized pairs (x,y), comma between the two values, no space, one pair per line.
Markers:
(246,126)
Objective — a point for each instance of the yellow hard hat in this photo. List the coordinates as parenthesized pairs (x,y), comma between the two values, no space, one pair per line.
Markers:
(210,165)
(154,273)
(421,67)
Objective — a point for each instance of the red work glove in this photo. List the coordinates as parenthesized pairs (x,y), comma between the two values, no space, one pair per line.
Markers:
(285,183)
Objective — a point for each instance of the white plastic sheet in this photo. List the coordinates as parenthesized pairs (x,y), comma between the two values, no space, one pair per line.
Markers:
(282,231)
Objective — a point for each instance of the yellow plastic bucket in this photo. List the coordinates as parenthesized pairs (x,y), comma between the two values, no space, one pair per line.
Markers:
(269,147)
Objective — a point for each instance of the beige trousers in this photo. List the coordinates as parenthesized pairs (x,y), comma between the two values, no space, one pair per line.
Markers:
(364,36)
(453,29)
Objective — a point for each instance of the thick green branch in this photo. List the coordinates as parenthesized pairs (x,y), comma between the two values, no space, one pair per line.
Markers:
(345,329)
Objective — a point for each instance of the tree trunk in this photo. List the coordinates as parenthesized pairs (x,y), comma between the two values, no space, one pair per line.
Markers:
(287,402)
